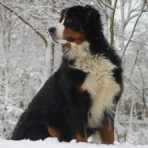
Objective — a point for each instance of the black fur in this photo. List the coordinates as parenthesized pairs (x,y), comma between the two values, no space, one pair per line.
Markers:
(60,103)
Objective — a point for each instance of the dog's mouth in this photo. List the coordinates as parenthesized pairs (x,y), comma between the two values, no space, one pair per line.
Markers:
(66,47)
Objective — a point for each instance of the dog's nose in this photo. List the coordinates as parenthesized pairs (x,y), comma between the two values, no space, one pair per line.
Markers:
(52,30)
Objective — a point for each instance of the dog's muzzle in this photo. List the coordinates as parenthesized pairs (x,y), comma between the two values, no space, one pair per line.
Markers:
(52,33)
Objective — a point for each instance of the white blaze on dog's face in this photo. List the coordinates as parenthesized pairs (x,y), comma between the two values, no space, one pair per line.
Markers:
(60,30)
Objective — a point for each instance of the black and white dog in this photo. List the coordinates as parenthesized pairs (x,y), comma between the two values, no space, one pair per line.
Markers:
(76,100)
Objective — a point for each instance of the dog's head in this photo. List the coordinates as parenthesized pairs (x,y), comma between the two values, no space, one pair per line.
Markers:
(77,25)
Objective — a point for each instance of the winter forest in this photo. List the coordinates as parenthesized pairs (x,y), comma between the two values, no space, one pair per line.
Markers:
(28,57)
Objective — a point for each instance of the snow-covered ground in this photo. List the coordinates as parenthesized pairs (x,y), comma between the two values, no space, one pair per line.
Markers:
(53,143)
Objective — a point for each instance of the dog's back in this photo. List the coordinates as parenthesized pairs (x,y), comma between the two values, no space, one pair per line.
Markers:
(45,107)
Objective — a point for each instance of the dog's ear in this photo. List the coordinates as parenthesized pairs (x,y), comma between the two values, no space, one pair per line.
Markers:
(63,13)
(93,21)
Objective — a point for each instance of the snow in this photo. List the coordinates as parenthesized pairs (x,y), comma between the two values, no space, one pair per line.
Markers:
(53,143)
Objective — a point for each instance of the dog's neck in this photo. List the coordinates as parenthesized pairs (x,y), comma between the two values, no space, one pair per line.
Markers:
(80,57)
(75,51)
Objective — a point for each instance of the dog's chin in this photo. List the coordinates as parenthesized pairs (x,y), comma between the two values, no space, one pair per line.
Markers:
(58,40)
(54,39)
(65,44)
(61,41)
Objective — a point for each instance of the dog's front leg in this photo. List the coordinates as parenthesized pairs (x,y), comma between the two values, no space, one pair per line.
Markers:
(53,132)
(107,131)
(80,138)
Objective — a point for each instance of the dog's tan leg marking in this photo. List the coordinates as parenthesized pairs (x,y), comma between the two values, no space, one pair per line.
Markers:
(52,132)
(107,132)
(80,138)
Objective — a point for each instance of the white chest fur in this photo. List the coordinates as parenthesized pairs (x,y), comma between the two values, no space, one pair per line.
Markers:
(99,82)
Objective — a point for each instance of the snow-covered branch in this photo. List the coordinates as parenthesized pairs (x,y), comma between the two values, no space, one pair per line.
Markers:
(134,28)
(26,22)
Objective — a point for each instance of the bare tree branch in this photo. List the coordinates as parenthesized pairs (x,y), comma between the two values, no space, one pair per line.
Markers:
(112,24)
(105,4)
(143,87)
(134,28)
(135,61)
(133,41)
(122,11)
(129,9)
(134,87)
(27,23)
(129,19)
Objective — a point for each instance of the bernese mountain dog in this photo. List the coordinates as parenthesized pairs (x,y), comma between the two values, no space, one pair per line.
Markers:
(78,99)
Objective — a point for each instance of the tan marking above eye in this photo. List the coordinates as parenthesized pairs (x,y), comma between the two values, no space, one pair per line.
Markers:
(74,36)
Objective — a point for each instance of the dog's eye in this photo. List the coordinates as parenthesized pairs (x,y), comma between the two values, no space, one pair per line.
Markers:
(68,21)
(70,39)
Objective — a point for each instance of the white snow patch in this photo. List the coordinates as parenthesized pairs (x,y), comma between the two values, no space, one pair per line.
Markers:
(53,143)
